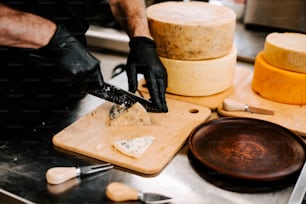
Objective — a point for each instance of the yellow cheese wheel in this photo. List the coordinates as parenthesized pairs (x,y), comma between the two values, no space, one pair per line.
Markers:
(200,78)
(191,30)
(278,84)
(286,50)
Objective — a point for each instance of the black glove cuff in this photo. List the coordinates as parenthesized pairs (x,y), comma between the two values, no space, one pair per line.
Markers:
(141,42)
(59,39)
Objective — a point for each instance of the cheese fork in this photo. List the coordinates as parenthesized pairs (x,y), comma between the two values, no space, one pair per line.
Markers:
(57,175)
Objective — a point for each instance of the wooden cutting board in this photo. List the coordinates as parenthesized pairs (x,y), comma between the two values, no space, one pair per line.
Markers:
(93,137)
(289,116)
(212,101)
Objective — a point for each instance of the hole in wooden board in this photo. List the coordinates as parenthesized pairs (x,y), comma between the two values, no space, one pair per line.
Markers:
(193,110)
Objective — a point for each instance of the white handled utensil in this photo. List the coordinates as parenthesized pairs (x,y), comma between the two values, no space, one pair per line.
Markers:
(57,175)
(232,105)
(119,192)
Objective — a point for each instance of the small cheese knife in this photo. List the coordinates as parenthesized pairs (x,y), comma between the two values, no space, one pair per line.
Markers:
(119,192)
(299,189)
(232,105)
(122,97)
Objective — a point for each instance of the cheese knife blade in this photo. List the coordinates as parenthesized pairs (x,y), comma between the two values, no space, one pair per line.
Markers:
(122,97)
(299,189)
(253,109)
(154,198)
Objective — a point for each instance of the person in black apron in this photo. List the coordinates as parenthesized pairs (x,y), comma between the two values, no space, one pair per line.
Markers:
(43,58)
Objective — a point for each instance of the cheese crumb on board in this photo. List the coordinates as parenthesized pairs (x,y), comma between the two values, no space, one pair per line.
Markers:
(134,147)
(286,51)
(191,30)
(135,115)
(278,84)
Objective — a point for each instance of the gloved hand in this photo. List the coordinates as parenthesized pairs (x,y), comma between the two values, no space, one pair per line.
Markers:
(75,66)
(143,59)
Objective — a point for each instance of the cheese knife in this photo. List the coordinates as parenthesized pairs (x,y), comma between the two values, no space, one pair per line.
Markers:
(232,105)
(58,175)
(122,97)
(299,189)
(119,192)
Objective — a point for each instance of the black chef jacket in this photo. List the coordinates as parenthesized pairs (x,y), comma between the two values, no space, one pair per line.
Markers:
(27,85)
(73,14)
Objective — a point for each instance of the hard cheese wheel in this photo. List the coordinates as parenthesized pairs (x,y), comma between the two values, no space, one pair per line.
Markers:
(191,30)
(286,50)
(200,78)
(277,84)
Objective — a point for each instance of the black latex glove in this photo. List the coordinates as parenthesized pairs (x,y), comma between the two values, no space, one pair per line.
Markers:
(76,67)
(143,59)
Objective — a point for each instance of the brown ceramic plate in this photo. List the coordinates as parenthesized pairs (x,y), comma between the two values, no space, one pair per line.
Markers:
(247,148)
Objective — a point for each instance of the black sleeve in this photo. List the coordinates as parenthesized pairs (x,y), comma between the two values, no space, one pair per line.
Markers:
(74,15)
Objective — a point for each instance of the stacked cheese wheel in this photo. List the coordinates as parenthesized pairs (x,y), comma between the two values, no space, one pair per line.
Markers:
(280,69)
(195,43)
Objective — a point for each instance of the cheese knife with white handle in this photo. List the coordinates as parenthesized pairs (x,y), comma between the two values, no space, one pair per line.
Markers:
(119,192)
(232,105)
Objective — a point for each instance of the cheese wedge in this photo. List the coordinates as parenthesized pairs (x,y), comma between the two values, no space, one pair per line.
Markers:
(133,116)
(191,30)
(200,78)
(286,50)
(134,147)
(278,84)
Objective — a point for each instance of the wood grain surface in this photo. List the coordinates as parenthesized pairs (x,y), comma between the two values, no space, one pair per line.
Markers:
(93,137)
(289,116)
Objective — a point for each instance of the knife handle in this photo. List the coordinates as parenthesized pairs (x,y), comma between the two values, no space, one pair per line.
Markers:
(118,192)
(57,175)
(232,105)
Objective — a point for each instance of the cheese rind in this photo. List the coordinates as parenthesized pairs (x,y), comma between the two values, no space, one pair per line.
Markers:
(278,84)
(191,30)
(286,51)
(200,78)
